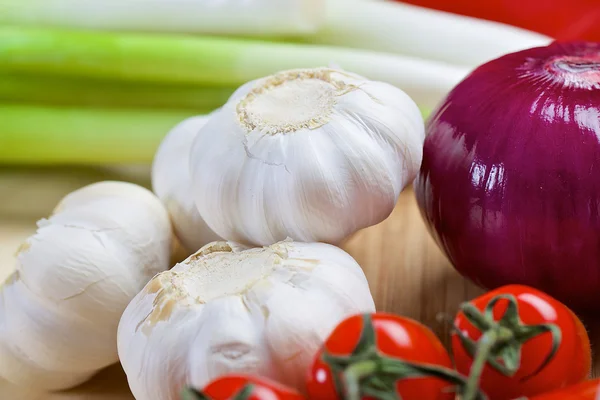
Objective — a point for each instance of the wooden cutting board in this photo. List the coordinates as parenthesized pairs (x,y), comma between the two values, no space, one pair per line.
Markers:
(407,273)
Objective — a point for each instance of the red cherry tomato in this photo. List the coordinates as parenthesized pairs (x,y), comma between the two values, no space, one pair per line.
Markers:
(243,387)
(535,344)
(586,390)
(384,352)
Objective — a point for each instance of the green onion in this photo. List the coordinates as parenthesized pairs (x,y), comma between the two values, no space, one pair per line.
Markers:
(50,90)
(65,135)
(394,27)
(380,25)
(230,17)
(39,135)
(207,60)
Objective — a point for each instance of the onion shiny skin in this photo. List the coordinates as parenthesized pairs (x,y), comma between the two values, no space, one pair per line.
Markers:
(510,181)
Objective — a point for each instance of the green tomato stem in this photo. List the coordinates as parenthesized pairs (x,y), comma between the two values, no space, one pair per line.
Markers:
(354,374)
(485,345)
(192,394)
(501,341)
(368,372)
(189,393)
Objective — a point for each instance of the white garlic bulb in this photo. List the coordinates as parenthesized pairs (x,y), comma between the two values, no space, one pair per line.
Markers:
(172,184)
(59,311)
(313,154)
(228,308)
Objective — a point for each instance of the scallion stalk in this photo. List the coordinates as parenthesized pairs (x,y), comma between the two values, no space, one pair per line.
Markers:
(67,135)
(57,135)
(51,90)
(399,28)
(229,17)
(379,25)
(207,60)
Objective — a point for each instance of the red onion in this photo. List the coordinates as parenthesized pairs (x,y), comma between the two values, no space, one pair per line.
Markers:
(510,181)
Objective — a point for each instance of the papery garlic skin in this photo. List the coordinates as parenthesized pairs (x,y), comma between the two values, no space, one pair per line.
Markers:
(172,184)
(60,309)
(228,308)
(314,155)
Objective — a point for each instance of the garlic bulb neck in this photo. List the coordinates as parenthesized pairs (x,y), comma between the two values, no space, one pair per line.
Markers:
(225,272)
(290,101)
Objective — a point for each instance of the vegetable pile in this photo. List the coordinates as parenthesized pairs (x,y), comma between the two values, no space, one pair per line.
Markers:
(276,130)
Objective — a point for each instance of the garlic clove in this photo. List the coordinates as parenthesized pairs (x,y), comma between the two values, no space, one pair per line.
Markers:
(171,182)
(74,278)
(71,266)
(16,368)
(230,339)
(15,365)
(237,309)
(313,154)
(159,373)
(36,326)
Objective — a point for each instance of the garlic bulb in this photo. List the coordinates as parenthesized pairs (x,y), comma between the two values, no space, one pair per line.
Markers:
(171,182)
(228,308)
(60,309)
(313,155)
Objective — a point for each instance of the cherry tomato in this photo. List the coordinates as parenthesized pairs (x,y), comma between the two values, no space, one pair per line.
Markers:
(534,343)
(381,350)
(243,387)
(586,390)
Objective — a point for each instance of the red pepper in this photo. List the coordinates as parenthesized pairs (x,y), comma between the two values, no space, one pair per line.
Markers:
(560,19)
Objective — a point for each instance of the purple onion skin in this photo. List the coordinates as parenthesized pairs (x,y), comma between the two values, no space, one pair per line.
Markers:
(510,181)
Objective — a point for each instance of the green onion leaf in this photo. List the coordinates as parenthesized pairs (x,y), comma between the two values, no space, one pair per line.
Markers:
(57,135)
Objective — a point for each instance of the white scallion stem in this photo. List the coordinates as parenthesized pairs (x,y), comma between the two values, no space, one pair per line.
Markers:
(231,17)
(394,27)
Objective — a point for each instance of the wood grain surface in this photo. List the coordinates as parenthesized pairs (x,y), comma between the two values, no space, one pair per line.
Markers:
(407,273)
